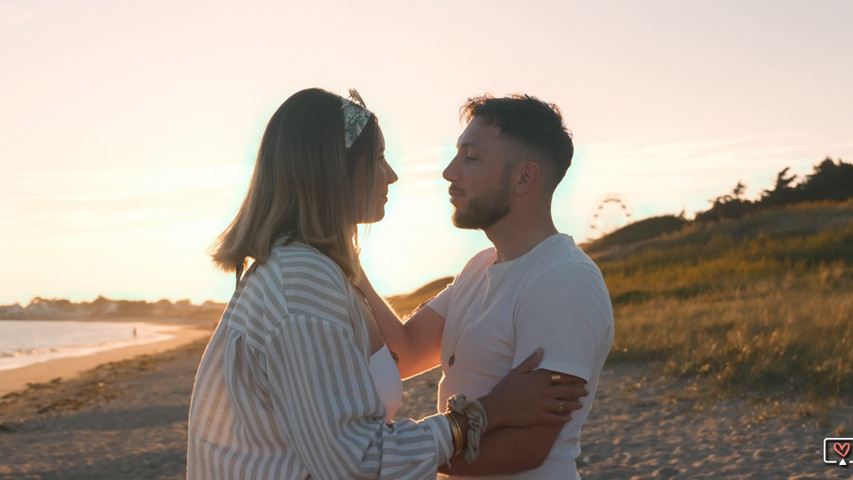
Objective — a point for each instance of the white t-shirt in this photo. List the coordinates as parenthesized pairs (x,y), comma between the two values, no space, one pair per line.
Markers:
(497,315)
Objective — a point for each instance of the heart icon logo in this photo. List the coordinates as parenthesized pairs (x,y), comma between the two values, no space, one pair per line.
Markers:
(842,449)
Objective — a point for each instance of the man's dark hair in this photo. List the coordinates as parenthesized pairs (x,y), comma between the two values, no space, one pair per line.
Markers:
(530,121)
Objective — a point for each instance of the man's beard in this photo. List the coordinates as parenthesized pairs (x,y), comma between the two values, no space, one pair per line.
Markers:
(485,210)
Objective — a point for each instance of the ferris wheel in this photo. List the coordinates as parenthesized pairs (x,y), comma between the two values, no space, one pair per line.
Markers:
(611,212)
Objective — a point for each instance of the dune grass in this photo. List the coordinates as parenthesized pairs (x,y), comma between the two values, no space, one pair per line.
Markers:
(762,304)
(789,337)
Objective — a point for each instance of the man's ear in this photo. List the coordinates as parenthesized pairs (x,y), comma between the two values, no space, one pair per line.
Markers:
(529,174)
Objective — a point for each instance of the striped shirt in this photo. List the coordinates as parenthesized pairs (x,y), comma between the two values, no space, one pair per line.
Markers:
(283,390)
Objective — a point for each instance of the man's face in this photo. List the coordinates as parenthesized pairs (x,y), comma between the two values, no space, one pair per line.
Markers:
(479,177)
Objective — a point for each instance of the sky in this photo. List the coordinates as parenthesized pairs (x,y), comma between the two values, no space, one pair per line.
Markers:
(129,130)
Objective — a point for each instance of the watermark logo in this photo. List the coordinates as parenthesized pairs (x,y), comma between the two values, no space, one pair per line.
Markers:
(837,451)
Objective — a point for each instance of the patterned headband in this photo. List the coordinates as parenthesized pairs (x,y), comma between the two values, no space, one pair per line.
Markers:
(356,115)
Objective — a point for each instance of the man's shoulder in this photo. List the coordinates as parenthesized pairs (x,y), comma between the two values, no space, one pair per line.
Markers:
(481,260)
(560,260)
(561,251)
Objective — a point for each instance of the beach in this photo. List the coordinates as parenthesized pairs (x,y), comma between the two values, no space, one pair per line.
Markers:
(123,416)
(180,333)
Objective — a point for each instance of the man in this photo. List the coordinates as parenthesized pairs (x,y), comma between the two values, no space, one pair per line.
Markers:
(534,289)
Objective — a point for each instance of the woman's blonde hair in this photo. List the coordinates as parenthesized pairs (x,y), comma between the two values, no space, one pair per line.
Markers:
(303,186)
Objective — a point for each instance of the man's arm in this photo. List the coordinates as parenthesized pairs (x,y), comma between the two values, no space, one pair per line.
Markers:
(512,450)
(507,450)
(417,342)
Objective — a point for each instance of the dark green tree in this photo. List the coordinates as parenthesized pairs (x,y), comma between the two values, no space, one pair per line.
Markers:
(829,181)
(783,192)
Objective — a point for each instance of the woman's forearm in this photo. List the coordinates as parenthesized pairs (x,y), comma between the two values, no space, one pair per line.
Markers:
(415,343)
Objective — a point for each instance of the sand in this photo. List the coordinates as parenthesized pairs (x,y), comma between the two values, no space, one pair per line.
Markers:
(646,426)
(127,420)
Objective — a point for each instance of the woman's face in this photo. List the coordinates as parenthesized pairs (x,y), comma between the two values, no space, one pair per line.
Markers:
(383,176)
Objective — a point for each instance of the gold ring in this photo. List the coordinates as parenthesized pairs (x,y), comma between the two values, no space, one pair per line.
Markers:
(560,406)
(555,378)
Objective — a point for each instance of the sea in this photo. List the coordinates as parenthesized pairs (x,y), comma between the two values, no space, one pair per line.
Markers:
(25,342)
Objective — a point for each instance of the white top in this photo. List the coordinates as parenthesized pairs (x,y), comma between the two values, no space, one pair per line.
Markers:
(386,379)
(552,297)
(284,389)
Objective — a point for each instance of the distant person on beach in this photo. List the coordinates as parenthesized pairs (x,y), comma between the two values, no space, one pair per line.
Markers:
(534,288)
(297,381)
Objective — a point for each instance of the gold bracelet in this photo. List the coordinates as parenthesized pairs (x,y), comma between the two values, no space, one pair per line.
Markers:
(456,430)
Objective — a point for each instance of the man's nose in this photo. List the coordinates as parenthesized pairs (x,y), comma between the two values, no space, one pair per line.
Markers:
(451,172)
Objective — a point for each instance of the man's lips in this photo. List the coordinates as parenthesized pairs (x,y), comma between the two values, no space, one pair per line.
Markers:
(455,192)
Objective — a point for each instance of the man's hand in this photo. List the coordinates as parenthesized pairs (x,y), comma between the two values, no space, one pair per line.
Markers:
(527,397)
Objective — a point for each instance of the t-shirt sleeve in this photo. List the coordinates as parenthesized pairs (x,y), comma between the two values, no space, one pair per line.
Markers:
(565,311)
(441,302)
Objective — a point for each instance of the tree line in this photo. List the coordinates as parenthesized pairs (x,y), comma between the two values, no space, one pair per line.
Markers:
(829,181)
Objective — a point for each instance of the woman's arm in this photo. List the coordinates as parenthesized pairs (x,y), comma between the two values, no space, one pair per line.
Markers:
(417,342)
(332,416)
(319,383)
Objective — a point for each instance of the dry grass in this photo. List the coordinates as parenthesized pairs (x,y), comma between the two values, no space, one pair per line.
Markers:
(762,304)
(790,337)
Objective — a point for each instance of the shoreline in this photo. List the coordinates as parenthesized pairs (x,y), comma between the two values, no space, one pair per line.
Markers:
(67,368)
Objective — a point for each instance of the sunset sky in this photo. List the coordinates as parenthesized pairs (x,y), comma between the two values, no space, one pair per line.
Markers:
(128,130)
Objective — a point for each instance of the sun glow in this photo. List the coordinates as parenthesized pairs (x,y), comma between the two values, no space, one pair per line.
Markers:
(126,153)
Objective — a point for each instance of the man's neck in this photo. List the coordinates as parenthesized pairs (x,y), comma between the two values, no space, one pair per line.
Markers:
(513,237)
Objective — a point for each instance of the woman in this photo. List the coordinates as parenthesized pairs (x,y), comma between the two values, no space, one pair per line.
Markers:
(296,381)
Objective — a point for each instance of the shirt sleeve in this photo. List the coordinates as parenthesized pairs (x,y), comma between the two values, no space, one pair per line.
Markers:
(326,404)
(565,311)
(441,302)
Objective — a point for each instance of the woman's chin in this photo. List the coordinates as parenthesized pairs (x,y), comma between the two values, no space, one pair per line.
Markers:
(374,217)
